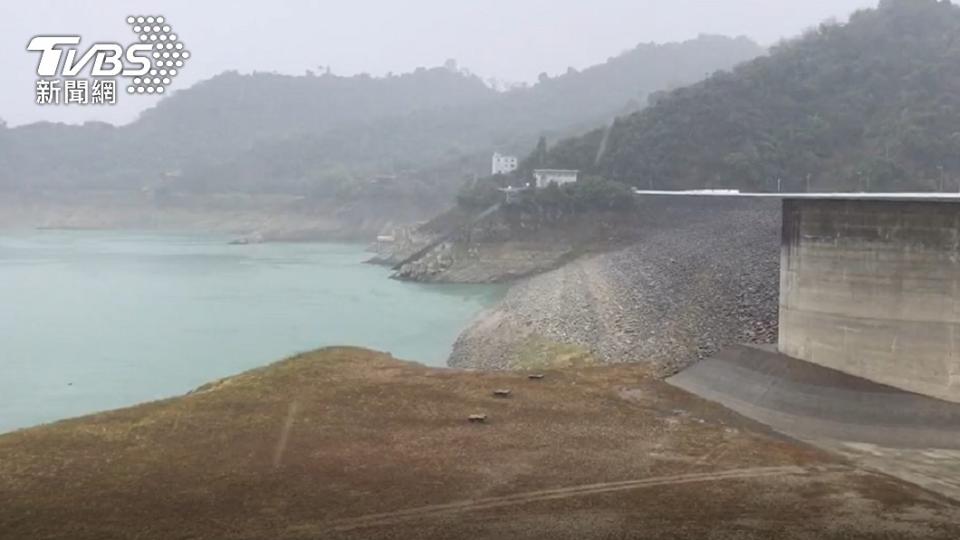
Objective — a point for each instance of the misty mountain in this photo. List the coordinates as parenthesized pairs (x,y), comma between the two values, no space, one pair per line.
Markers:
(446,143)
(232,112)
(324,133)
(870,104)
(623,83)
(218,119)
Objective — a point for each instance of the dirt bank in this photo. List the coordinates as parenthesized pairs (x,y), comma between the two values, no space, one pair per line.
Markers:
(700,275)
(347,443)
(254,218)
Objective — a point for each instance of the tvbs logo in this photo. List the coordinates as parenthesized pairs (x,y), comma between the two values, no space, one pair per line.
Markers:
(149,64)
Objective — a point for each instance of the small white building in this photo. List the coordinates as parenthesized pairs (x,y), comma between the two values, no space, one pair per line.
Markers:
(545,177)
(504,164)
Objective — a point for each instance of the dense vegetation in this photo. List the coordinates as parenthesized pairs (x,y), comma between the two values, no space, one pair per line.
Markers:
(871,104)
(321,134)
(590,194)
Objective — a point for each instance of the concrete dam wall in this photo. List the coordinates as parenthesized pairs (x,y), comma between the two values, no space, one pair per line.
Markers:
(872,288)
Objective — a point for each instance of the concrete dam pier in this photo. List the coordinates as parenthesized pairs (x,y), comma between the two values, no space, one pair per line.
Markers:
(869,284)
(872,288)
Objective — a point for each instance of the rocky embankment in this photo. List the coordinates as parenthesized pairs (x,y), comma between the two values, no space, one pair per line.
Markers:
(396,243)
(505,245)
(701,276)
(492,262)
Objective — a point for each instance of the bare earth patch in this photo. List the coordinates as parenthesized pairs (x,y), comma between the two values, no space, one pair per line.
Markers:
(348,443)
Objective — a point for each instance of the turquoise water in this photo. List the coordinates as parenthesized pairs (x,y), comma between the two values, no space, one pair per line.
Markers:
(91,321)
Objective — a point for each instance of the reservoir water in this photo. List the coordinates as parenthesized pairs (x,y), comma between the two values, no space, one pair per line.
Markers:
(91,321)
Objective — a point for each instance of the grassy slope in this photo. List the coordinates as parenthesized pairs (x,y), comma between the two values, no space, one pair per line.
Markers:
(368,434)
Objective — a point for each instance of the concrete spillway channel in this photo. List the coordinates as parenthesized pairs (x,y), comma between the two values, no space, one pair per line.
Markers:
(907,435)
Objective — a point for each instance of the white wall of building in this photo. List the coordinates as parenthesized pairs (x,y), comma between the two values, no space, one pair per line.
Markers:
(545,177)
(504,164)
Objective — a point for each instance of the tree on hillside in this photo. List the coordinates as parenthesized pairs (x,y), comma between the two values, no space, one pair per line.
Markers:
(540,156)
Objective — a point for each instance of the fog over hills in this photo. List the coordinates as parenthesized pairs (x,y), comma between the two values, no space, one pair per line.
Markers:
(508,40)
(322,134)
(866,105)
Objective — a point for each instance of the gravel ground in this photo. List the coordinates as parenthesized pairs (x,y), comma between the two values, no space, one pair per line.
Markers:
(701,276)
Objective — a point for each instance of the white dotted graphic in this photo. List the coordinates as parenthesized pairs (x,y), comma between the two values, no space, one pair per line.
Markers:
(168,51)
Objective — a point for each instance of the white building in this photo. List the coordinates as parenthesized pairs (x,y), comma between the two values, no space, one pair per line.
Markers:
(545,177)
(504,164)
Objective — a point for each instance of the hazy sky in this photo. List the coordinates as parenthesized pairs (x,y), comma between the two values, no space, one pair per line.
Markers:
(512,40)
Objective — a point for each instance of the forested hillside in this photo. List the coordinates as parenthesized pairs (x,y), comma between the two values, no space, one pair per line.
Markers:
(871,104)
(322,134)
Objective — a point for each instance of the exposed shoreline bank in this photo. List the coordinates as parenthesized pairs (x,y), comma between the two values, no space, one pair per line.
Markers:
(251,218)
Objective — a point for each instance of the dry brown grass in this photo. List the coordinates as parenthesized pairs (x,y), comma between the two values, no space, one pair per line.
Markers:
(308,447)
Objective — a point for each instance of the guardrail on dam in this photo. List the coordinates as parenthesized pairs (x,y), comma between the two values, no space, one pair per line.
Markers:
(872,288)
